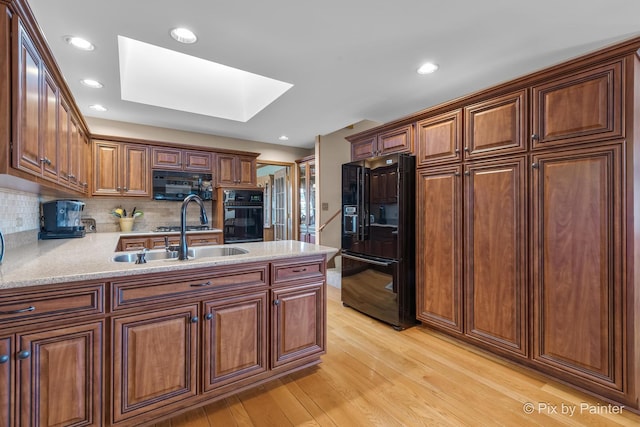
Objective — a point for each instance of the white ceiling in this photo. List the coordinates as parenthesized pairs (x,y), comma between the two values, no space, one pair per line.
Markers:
(348,60)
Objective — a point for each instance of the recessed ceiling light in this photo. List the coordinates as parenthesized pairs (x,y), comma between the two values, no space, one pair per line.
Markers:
(98,107)
(427,68)
(79,42)
(92,83)
(183,35)
(283,138)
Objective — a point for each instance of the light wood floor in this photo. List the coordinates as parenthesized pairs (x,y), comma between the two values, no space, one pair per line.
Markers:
(373,375)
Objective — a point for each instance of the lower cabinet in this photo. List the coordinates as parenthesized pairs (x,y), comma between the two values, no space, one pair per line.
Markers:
(52,377)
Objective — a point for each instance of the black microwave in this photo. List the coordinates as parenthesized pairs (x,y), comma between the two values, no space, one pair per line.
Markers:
(173,185)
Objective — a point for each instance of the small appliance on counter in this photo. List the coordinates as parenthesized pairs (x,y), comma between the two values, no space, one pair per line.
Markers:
(62,219)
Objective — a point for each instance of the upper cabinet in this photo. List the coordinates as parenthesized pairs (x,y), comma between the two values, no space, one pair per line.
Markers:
(496,126)
(236,170)
(390,141)
(120,169)
(582,107)
(167,158)
(48,141)
(439,139)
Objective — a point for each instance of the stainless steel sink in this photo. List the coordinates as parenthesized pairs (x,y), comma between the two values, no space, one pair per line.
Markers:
(214,251)
(193,253)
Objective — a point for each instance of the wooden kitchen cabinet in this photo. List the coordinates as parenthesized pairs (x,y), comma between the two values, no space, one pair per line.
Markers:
(156,240)
(496,126)
(7,370)
(578,247)
(397,140)
(155,360)
(236,170)
(495,253)
(59,376)
(439,139)
(120,169)
(167,158)
(439,247)
(235,339)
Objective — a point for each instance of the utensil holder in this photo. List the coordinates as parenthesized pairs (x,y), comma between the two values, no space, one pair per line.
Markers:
(126,224)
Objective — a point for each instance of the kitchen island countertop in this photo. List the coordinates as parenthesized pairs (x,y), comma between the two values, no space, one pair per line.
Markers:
(90,258)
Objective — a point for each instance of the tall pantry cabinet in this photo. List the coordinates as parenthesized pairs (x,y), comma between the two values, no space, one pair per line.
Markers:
(528,199)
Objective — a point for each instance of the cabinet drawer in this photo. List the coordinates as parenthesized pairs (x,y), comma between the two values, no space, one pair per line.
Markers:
(300,269)
(52,304)
(150,291)
(204,240)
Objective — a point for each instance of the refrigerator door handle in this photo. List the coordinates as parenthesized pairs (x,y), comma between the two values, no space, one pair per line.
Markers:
(367,260)
(360,202)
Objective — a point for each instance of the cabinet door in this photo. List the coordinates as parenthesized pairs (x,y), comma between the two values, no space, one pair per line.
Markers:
(495,252)
(364,148)
(29,75)
(246,171)
(496,126)
(297,318)
(63,143)
(49,125)
(166,158)
(75,153)
(106,168)
(578,108)
(197,161)
(439,139)
(396,140)
(439,247)
(154,362)
(226,169)
(7,352)
(578,253)
(235,339)
(135,170)
(60,376)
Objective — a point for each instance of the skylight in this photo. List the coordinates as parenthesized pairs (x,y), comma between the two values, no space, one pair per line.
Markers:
(165,78)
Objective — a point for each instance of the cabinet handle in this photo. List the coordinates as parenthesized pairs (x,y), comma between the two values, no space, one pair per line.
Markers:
(467,173)
(72,176)
(24,354)
(125,189)
(209,316)
(456,174)
(535,165)
(466,149)
(199,285)
(276,302)
(457,151)
(118,188)
(45,161)
(194,319)
(4,358)
(20,310)
(535,137)
(299,270)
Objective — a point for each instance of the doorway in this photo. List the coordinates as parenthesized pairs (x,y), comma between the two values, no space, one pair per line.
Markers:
(275,180)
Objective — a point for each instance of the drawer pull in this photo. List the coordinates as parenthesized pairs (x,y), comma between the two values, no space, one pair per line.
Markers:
(21,310)
(199,285)
(24,354)
(299,270)
(4,358)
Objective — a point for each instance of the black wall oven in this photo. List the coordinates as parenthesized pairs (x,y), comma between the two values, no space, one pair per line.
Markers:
(243,216)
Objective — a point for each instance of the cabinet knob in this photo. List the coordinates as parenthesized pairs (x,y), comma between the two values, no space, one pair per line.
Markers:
(72,176)
(24,354)
(535,165)
(4,358)
(535,137)
(118,188)
(125,189)
(209,316)
(467,173)
(276,302)
(456,174)
(194,319)
(457,151)
(466,149)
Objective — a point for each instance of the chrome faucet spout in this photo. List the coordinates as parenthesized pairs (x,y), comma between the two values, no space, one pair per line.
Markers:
(184,250)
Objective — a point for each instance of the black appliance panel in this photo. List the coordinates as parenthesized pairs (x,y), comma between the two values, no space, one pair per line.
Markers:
(175,186)
(243,216)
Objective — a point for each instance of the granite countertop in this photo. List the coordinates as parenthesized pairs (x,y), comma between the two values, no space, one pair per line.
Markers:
(90,258)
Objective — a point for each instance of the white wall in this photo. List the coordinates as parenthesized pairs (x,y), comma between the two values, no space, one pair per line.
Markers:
(332,151)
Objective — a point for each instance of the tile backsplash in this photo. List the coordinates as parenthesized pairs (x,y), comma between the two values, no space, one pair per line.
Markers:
(20,214)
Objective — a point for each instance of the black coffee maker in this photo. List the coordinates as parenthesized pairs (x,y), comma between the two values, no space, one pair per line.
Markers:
(61,219)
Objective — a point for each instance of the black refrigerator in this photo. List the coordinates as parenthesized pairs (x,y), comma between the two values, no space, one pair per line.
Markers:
(378,238)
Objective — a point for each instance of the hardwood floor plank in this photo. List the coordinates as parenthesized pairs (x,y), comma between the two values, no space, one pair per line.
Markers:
(373,375)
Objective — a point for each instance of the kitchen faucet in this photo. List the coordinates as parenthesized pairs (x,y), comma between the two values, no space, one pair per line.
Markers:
(183,249)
